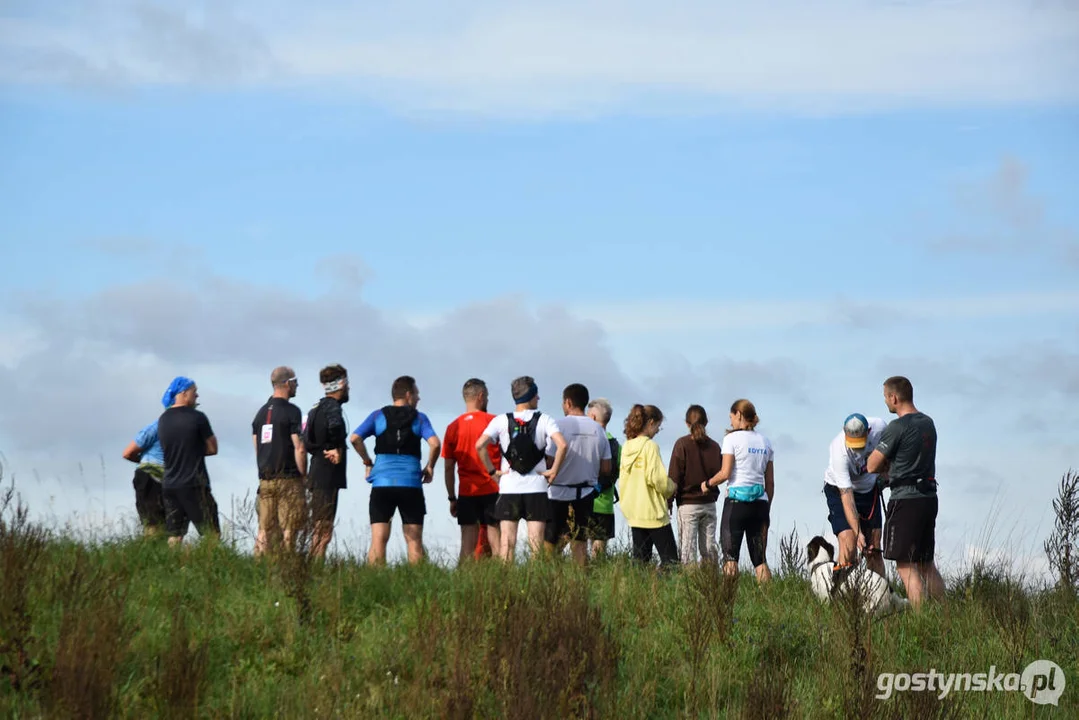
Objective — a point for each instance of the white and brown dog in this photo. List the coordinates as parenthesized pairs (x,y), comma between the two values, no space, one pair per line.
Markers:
(826,581)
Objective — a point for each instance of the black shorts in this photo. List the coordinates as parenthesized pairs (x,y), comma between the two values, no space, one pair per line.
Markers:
(744,518)
(602,527)
(561,525)
(477,509)
(514,507)
(323,504)
(867,505)
(409,501)
(190,505)
(910,530)
(148,502)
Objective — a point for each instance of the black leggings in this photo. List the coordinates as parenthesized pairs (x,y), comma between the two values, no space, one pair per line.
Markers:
(749,519)
(662,538)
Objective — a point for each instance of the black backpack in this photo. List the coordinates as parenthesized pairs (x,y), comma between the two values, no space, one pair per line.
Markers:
(521,452)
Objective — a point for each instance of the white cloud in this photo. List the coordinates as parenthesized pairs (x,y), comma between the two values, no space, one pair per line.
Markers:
(559,57)
(676,315)
(81,374)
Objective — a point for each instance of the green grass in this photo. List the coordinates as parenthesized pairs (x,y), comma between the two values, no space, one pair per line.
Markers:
(135,629)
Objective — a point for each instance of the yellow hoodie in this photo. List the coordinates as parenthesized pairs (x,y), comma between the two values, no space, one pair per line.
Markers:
(643,484)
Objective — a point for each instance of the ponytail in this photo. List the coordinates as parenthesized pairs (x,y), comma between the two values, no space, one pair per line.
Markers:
(638,419)
(748,412)
(697,419)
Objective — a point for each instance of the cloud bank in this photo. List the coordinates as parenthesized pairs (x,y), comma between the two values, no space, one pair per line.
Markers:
(556,57)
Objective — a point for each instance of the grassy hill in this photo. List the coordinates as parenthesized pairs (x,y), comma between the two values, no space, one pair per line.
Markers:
(134,629)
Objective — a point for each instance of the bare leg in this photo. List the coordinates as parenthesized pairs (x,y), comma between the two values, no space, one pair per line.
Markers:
(509,539)
(380,536)
(414,540)
(469,536)
(535,536)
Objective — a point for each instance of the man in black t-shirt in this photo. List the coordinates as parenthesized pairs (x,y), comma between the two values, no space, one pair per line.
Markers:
(325,436)
(282,463)
(186,440)
(907,451)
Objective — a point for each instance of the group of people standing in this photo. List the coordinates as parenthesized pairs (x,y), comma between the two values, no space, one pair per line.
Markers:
(561,476)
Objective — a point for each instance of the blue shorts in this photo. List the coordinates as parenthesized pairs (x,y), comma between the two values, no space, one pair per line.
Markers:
(867,504)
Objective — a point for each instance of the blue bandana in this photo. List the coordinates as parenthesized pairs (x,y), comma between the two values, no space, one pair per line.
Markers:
(177,386)
(532,392)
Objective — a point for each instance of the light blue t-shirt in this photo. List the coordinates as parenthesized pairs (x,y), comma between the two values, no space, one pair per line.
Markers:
(395,470)
(150,445)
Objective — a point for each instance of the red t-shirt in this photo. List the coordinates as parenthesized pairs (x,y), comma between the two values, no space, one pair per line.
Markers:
(459,445)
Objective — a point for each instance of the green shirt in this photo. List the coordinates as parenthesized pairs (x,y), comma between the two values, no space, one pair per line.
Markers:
(604,502)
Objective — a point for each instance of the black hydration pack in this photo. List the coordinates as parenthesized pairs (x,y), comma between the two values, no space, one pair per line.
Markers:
(521,454)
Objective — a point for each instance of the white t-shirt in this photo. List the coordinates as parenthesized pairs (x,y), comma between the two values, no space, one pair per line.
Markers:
(586,446)
(752,453)
(513,483)
(846,467)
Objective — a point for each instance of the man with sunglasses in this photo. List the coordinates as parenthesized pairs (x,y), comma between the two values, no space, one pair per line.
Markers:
(277,434)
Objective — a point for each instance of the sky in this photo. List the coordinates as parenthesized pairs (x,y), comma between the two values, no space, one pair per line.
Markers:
(687,204)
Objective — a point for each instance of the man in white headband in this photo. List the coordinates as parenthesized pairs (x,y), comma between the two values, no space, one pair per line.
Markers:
(325,435)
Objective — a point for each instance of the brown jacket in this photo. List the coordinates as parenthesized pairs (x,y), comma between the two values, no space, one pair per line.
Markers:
(691,464)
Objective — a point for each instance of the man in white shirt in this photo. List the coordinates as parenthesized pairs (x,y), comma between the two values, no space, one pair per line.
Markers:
(854,504)
(572,493)
(523,480)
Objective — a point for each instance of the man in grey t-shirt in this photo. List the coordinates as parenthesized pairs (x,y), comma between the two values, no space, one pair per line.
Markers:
(908,451)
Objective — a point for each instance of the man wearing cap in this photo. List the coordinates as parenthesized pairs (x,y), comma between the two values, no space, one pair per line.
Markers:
(282,464)
(854,504)
(186,441)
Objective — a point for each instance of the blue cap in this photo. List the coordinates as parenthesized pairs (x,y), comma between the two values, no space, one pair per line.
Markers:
(856,430)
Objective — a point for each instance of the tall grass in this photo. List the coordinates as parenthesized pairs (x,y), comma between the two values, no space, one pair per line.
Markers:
(135,629)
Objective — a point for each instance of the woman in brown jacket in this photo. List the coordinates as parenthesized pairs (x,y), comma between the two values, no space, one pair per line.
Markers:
(695,458)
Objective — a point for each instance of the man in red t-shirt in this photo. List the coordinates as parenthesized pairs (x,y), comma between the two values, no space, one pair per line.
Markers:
(478,492)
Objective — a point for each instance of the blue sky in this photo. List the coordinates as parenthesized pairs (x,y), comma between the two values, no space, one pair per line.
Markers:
(689,206)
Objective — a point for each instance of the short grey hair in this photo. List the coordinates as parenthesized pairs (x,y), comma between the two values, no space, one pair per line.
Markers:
(602,408)
(281,375)
(521,385)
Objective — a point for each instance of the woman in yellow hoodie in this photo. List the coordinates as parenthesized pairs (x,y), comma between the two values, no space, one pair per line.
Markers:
(645,487)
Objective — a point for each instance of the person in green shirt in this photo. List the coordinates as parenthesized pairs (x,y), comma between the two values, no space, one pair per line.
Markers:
(602,527)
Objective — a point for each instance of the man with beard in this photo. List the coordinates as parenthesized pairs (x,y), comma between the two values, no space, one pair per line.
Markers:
(325,435)
(282,464)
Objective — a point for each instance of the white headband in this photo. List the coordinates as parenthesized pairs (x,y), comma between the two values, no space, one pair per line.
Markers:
(335,385)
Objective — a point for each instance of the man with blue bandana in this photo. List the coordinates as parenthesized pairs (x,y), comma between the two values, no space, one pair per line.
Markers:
(395,475)
(186,440)
(145,451)
(854,503)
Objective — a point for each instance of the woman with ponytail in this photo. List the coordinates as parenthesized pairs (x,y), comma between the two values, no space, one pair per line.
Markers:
(747,470)
(695,458)
(645,488)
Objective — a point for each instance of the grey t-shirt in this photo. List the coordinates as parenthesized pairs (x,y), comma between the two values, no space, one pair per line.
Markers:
(910,444)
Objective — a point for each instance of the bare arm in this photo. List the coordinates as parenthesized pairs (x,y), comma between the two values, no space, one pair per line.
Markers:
(211,445)
(301,454)
(769,481)
(724,473)
(559,456)
(360,448)
(485,459)
(432,458)
(132,452)
(451,478)
(876,462)
(604,468)
(255,442)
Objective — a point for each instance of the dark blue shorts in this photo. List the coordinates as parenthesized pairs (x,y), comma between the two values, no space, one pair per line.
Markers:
(867,504)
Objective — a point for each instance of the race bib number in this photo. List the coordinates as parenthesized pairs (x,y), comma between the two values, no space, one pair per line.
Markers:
(267,433)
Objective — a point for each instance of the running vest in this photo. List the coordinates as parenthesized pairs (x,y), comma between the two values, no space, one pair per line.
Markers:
(398,438)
